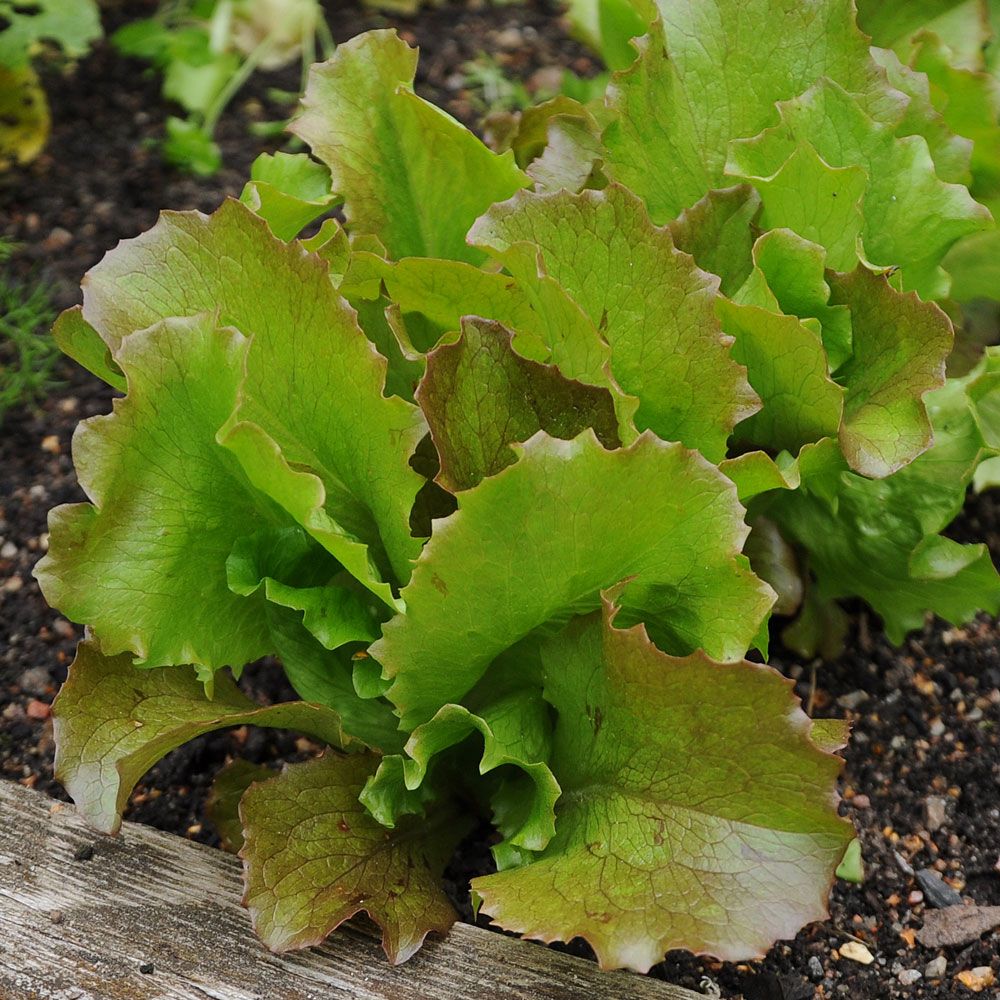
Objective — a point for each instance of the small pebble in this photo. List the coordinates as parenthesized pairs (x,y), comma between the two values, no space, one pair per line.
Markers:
(64,629)
(35,680)
(852,699)
(861,802)
(936,967)
(147,968)
(909,976)
(38,710)
(815,968)
(935,814)
(509,38)
(546,80)
(8,550)
(50,443)
(855,951)
(915,897)
(57,240)
(977,979)
(937,728)
(84,852)
(937,892)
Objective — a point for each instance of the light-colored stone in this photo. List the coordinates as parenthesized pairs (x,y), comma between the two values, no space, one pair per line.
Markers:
(855,951)
(936,967)
(935,812)
(35,680)
(852,699)
(955,926)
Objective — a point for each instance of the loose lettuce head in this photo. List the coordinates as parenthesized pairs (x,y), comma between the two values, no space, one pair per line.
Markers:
(510,471)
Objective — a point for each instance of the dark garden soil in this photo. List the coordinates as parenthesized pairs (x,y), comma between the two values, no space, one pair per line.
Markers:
(922,774)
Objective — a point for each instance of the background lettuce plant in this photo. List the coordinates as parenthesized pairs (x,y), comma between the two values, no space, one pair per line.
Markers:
(29,28)
(510,472)
(208,49)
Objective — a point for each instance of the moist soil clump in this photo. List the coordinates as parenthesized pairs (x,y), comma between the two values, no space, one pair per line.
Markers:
(922,771)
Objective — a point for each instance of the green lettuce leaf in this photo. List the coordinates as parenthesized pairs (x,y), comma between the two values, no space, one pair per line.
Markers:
(479,397)
(899,346)
(656,845)
(26,23)
(288,190)
(515,732)
(952,154)
(145,564)
(755,473)
(572,156)
(974,266)
(789,370)
(317,617)
(291,571)
(608,26)
(222,807)
(114,722)
(80,341)
(385,148)
(819,630)
(444,291)
(775,562)
(688,93)
(891,23)
(342,471)
(667,348)
(538,541)
(969,101)
(890,351)
(878,539)
(793,271)
(911,217)
(831,216)
(716,231)
(314,858)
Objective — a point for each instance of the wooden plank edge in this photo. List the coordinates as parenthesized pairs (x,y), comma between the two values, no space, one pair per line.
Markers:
(150,915)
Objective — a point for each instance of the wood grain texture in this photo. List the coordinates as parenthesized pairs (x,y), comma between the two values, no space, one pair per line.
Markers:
(149,915)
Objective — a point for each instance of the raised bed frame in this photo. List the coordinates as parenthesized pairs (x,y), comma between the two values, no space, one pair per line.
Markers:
(150,916)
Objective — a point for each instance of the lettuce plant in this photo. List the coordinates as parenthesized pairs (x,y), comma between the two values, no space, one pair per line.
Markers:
(510,472)
(207,50)
(28,28)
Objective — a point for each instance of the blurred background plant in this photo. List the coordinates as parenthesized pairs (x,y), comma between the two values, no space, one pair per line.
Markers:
(493,90)
(32,30)
(28,354)
(208,49)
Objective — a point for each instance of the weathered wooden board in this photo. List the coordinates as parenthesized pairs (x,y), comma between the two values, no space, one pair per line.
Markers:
(150,915)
